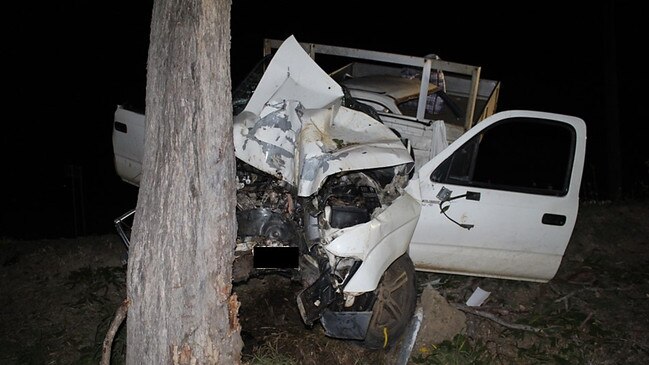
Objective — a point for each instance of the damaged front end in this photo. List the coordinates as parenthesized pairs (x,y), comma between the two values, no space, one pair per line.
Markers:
(326,189)
(355,227)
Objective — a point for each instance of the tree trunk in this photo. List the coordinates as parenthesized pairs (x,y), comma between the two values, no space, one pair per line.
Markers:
(182,309)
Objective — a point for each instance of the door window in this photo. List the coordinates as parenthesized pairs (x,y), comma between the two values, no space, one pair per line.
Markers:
(519,154)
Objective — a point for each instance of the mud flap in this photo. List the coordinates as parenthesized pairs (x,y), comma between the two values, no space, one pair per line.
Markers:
(346,325)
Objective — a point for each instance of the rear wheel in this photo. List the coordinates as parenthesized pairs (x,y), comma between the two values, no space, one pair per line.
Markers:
(394,306)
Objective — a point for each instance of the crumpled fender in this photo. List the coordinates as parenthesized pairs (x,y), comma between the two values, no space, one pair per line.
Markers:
(380,241)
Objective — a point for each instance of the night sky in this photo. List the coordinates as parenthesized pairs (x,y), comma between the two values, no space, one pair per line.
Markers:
(71,63)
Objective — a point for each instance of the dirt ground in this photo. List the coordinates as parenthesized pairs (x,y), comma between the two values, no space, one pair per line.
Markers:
(58,297)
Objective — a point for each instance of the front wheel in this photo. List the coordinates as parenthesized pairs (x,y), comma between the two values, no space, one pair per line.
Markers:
(394,306)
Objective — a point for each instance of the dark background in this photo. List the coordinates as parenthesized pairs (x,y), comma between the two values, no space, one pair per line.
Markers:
(72,63)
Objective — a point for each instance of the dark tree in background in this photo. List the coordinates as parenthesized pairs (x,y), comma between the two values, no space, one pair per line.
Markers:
(182,309)
(612,125)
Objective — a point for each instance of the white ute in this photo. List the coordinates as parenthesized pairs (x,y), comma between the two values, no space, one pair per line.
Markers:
(354,198)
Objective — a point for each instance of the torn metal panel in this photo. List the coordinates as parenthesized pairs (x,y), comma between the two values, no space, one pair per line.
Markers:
(348,140)
(294,127)
(293,75)
(268,142)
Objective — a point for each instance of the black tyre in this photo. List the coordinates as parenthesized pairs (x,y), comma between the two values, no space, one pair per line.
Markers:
(394,306)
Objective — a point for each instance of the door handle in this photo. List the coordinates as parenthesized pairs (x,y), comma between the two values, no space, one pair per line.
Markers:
(121,127)
(553,219)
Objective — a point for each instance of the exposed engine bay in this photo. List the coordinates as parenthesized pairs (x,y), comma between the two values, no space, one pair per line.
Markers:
(269,214)
(279,231)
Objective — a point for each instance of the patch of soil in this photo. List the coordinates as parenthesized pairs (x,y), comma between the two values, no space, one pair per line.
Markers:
(272,327)
(58,297)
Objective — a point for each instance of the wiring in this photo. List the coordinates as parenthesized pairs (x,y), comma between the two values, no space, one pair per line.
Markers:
(443,209)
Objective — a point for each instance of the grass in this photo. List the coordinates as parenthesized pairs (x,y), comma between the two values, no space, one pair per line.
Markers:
(269,354)
(460,350)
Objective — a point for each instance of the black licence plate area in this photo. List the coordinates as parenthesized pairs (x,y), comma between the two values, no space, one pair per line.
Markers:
(275,257)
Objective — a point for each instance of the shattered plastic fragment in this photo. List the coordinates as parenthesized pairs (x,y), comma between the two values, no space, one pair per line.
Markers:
(478,297)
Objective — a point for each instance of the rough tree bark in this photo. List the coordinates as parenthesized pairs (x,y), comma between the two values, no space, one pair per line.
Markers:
(182,309)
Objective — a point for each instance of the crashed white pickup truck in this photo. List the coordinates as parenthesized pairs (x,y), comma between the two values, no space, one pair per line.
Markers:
(354,196)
